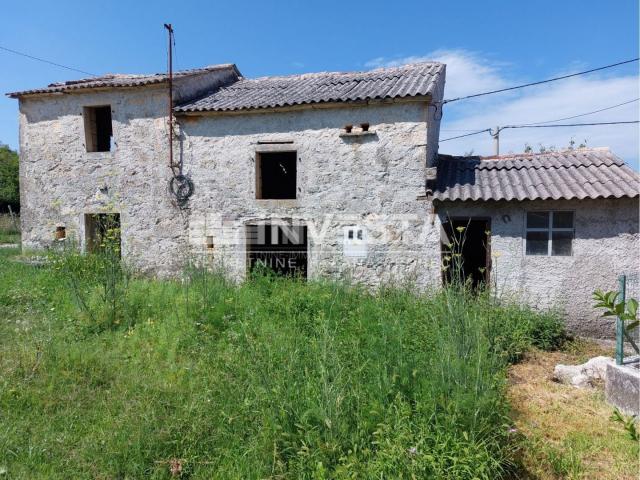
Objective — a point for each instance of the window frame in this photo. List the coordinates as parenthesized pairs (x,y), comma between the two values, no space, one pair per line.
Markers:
(258,162)
(91,128)
(549,229)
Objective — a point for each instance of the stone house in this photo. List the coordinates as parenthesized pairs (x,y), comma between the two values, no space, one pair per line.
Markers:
(323,174)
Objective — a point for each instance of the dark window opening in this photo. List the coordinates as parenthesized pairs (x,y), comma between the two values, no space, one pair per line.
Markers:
(466,252)
(61,233)
(276,175)
(280,248)
(102,233)
(98,129)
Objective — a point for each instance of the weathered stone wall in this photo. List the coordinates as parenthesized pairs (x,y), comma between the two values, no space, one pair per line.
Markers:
(60,181)
(606,244)
(371,180)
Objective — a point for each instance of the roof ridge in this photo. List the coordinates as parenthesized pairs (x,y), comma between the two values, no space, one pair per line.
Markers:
(523,155)
(345,73)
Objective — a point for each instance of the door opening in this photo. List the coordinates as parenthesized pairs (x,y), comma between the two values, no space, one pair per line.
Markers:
(279,247)
(466,251)
(102,232)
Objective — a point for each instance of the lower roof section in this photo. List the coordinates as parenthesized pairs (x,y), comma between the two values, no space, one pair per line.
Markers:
(586,173)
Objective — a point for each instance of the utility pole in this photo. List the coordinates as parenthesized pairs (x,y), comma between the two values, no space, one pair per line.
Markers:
(496,141)
(170,36)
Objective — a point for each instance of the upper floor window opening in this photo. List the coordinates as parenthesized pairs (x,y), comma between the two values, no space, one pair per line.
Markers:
(276,175)
(98,129)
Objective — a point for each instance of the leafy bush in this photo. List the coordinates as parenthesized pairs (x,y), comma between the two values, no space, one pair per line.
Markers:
(626,311)
(515,329)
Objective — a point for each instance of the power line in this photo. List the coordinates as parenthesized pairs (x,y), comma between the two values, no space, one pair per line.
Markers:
(556,120)
(466,135)
(46,61)
(542,126)
(570,124)
(541,81)
(588,113)
(458,129)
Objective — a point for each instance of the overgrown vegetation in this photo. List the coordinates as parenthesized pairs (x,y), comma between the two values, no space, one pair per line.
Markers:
(628,422)
(9,229)
(552,148)
(567,432)
(9,185)
(273,378)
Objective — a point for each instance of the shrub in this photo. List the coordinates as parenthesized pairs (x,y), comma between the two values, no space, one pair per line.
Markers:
(513,329)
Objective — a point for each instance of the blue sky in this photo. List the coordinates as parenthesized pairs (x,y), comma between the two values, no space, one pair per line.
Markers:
(485,44)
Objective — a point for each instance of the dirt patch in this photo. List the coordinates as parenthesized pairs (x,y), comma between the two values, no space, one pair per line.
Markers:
(567,431)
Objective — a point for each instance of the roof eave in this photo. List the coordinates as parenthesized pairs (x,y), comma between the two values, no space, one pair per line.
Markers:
(307,106)
(42,92)
(35,94)
(436,198)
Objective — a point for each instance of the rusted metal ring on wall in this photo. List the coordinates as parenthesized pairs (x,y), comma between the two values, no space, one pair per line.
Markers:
(181,187)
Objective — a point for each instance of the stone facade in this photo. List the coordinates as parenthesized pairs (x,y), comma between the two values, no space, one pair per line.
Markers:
(372,180)
(376,181)
(60,182)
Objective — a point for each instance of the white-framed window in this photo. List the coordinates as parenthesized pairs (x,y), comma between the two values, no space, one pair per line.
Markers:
(550,233)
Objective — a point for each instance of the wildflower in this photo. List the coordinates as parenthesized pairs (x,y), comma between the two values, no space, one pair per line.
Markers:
(513,430)
(460,229)
(413,451)
(175,467)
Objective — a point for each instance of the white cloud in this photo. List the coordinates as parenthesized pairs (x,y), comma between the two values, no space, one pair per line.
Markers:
(469,72)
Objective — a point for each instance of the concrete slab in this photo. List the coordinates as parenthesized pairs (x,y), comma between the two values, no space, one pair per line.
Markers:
(622,387)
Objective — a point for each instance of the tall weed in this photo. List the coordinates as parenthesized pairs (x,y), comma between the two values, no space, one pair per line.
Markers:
(272,378)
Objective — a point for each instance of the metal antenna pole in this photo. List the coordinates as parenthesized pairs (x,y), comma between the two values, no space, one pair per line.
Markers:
(170,35)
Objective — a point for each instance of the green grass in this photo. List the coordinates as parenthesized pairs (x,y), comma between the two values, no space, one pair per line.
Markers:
(9,236)
(8,231)
(272,378)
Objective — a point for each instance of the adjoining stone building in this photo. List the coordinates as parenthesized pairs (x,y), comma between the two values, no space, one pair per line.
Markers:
(324,174)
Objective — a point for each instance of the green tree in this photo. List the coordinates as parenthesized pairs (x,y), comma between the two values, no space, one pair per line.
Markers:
(9,186)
